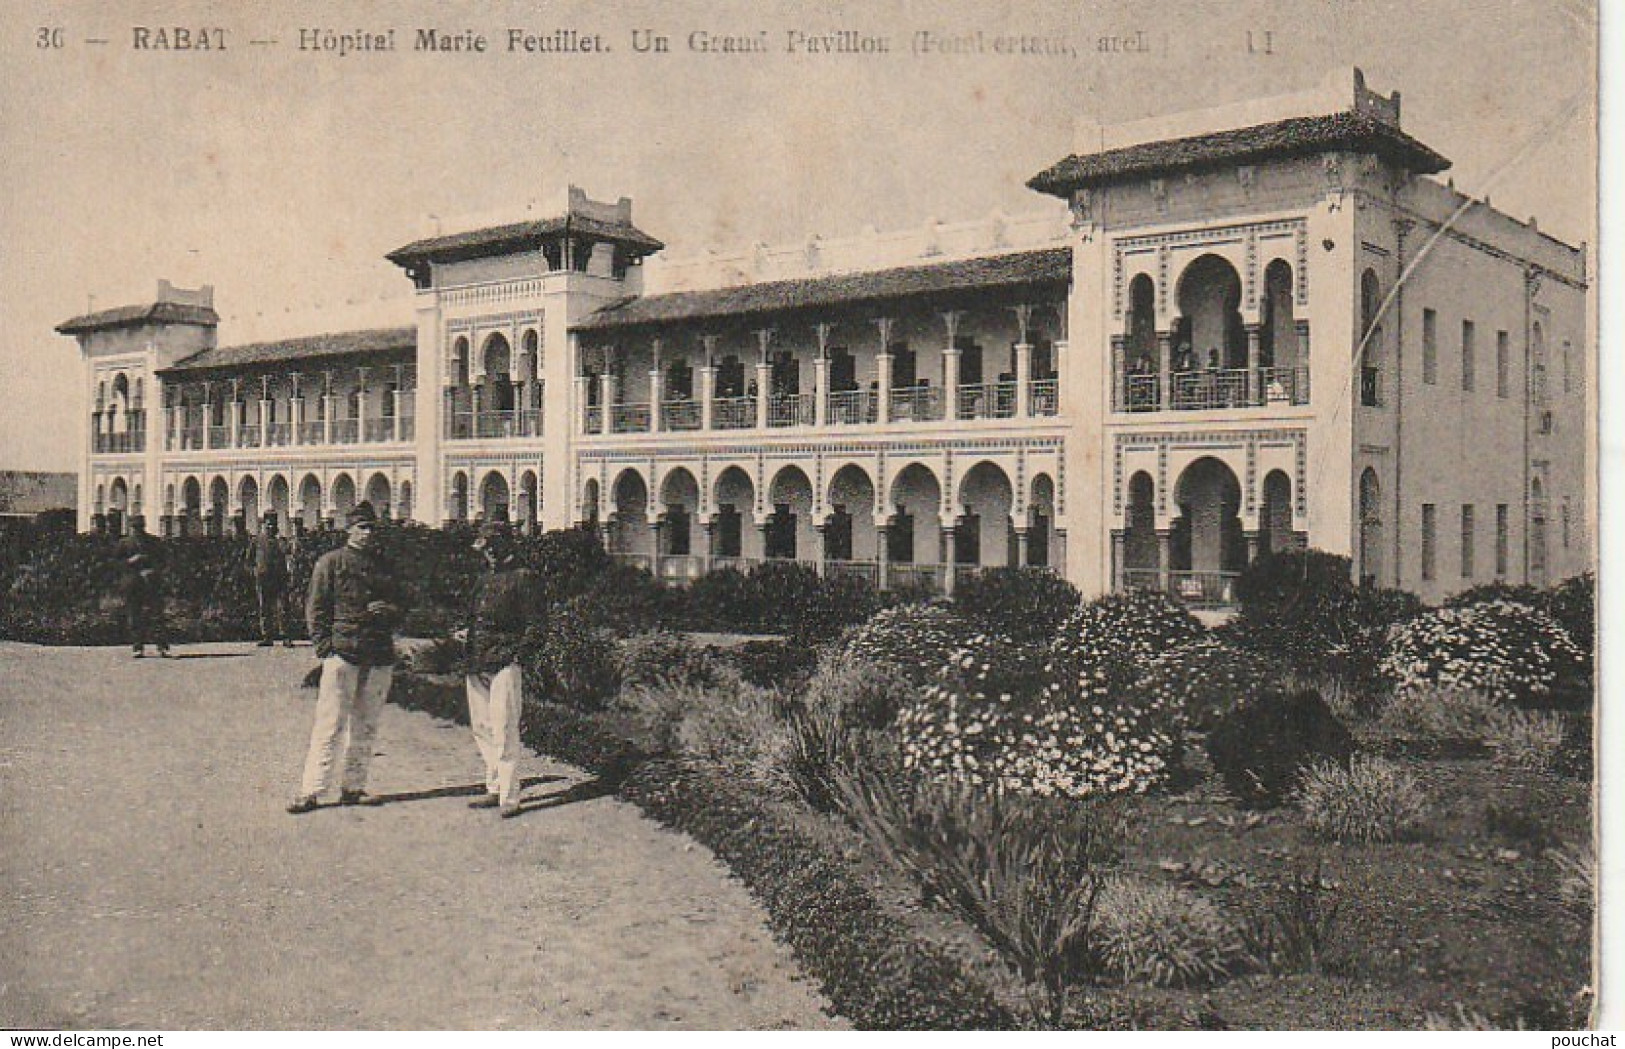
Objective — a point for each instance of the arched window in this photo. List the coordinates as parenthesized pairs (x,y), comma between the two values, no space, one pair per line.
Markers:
(1371,360)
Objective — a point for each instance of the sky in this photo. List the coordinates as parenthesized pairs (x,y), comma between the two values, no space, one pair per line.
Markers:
(282,177)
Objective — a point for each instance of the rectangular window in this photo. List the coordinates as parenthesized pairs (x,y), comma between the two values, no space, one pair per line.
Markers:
(1429,536)
(1500,539)
(1469,368)
(1467,542)
(1503,365)
(1430,347)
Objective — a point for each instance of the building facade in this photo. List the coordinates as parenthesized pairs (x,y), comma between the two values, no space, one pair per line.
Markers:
(1246,329)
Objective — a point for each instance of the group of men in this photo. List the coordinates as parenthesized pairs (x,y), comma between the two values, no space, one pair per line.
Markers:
(353,607)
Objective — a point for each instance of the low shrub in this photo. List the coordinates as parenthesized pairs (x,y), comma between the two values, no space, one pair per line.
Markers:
(1442,715)
(662,657)
(568,661)
(1206,678)
(442,655)
(1511,651)
(1573,603)
(1297,923)
(1023,871)
(1370,799)
(1527,739)
(739,728)
(1027,604)
(1302,610)
(915,639)
(1149,932)
(1261,747)
(1576,867)
(856,692)
(784,665)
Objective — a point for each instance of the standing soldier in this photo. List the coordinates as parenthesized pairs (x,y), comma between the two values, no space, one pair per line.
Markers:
(353,608)
(143,591)
(268,559)
(501,613)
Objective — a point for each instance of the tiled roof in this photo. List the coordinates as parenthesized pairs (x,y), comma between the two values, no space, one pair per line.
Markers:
(305,348)
(131,316)
(1046,266)
(496,240)
(1345,130)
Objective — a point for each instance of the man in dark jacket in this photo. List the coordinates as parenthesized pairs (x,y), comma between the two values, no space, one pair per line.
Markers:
(142,586)
(500,615)
(267,558)
(354,604)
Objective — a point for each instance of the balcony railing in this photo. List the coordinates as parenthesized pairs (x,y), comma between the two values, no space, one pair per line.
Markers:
(629,418)
(916,404)
(376,430)
(346,431)
(868,571)
(278,435)
(905,576)
(313,432)
(994,400)
(219,436)
(680,415)
(734,413)
(1046,397)
(499,423)
(592,419)
(409,427)
(115,443)
(1198,589)
(248,436)
(790,409)
(1216,389)
(850,407)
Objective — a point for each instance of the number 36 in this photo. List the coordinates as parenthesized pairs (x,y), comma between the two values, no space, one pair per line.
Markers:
(49,38)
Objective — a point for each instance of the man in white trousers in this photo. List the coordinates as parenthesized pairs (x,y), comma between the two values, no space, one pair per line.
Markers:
(502,612)
(354,604)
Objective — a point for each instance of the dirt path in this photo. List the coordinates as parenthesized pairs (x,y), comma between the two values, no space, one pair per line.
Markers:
(149,877)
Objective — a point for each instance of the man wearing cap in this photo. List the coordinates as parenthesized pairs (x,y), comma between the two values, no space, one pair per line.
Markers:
(267,558)
(503,610)
(143,590)
(353,607)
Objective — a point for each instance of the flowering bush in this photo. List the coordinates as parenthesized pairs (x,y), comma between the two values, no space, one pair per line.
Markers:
(1109,642)
(1573,603)
(1511,651)
(1206,678)
(1369,800)
(997,719)
(1165,936)
(916,640)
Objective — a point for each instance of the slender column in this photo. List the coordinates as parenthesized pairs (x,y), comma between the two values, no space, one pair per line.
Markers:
(950,558)
(581,402)
(710,526)
(1024,374)
(882,556)
(821,376)
(296,417)
(1119,374)
(1024,359)
(821,565)
(169,427)
(1252,364)
(1165,369)
(1165,557)
(883,370)
(208,416)
(657,389)
(327,408)
(708,396)
(606,390)
(1253,539)
(395,413)
(708,383)
(950,365)
(764,375)
(1119,560)
(1021,546)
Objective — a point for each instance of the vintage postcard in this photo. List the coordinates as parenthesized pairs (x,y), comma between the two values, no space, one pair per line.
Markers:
(725,515)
